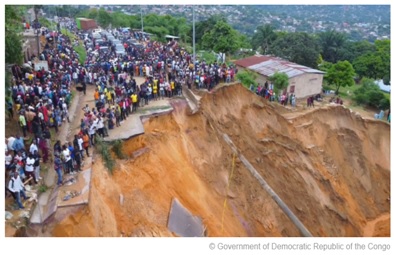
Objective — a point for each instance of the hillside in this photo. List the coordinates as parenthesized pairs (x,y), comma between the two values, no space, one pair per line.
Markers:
(330,166)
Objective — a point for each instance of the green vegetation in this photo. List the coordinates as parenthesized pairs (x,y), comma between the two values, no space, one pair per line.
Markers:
(68,34)
(330,51)
(117,148)
(280,81)
(247,78)
(42,188)
(263,38)
(340,74)
(331,43)
(369,94)
(300,48)
(103,148)
(13,37)
(209,57)
(81,52)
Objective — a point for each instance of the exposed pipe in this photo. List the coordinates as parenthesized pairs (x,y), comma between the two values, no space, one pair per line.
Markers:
(304,231)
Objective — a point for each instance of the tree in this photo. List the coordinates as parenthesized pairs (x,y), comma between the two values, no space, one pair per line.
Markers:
(280,81)
(13,39)
(370,94)
(372,65)
(340,74)
(184,33)
(222,38)
(103,18)
(331,44)
(159,32)
(353,50)
(247,78)
(263,38)
(93,14)
(300,48)
(204,26)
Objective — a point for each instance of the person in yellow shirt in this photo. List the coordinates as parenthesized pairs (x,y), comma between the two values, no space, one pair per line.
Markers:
(154,89)
(109,97)
(172,88)
(134,100)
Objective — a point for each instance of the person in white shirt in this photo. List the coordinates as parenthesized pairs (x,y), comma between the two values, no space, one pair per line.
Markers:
(67,160)
(100,126)
(9,142)
(29,168)
(147,70)
(33,147)
(17,187)
(75,78)
(65,111)
(80,145)
(8,159)
(92,133)
(162,85)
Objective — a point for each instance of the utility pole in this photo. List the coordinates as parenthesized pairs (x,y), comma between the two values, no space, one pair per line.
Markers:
(37,30)
(142,21)
(194,39)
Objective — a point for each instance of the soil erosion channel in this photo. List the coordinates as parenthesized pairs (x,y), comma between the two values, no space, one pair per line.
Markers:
(330,166)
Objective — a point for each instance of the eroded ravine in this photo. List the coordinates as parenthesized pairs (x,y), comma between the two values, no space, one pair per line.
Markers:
(331,168)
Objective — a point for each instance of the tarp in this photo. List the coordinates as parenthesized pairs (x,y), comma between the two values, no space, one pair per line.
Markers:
(383,87)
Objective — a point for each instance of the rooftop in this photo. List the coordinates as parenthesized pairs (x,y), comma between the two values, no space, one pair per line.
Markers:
(268,65)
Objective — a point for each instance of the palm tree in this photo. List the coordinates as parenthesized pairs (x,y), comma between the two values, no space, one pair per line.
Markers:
(263,38)
(331,42)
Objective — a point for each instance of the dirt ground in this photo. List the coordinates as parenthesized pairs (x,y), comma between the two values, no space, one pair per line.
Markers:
(330,166)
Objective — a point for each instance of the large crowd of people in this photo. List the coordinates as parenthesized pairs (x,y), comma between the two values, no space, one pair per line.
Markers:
(41,97)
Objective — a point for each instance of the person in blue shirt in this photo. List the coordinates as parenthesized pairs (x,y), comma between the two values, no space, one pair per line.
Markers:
(58,168)
(72,151)
(19,144)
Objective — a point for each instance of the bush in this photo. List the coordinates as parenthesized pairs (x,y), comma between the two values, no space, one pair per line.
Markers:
(118,149)
(280,81)
(103,149)
(42,188)
(246,78)
(384,104)
(360,99)
(370,94)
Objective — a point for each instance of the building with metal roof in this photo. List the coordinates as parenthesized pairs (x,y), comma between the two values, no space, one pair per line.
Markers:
(303,81)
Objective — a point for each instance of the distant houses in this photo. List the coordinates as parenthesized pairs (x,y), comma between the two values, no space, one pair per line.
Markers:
(303,81)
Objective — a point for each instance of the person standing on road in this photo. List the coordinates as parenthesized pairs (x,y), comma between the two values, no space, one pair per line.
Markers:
(23,123)
(58,168)
(86,143)
(67,160)
(84,87)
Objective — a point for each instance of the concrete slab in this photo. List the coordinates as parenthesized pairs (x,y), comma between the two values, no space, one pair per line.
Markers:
(52,205)
(183,223)
(133,125)
(45,207)
(77,192)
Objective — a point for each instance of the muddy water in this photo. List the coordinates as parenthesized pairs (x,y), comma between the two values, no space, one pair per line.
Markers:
(329,166)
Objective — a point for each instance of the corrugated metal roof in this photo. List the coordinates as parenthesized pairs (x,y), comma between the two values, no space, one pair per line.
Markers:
(246,62)
(268,65)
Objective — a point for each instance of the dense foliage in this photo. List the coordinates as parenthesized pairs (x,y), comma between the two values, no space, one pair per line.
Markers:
(280,81)
(247,78)
(369,94)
